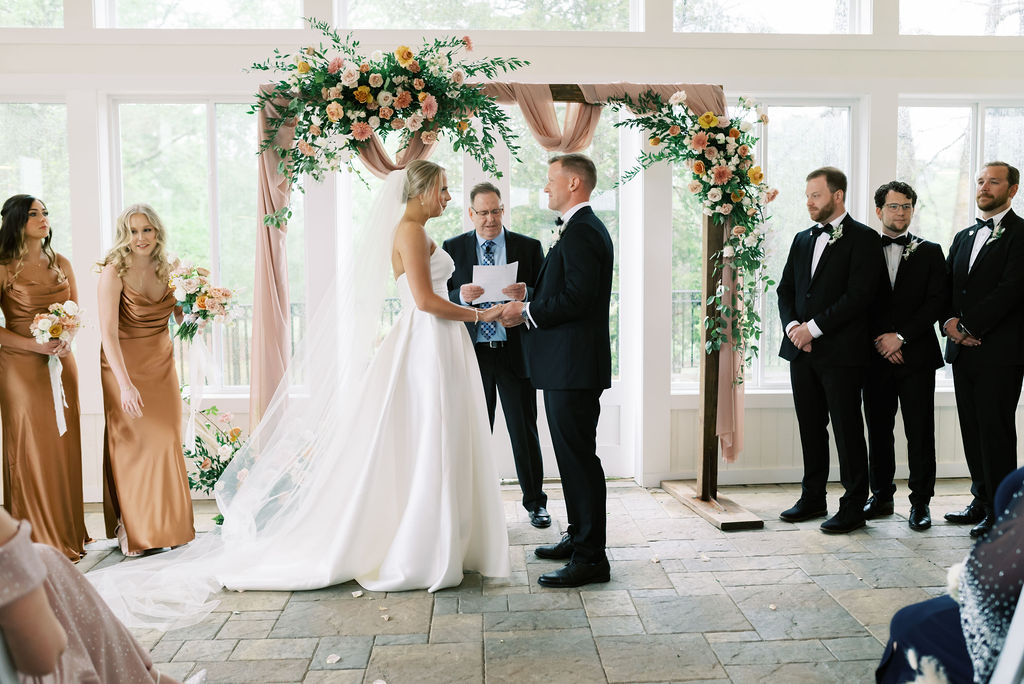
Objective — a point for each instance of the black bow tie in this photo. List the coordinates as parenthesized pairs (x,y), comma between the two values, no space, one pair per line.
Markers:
(818,230)
(901,240)
(559,221)
(987,223)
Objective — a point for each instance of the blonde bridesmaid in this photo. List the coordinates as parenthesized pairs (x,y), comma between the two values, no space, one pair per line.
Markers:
(42,469)
(146,500)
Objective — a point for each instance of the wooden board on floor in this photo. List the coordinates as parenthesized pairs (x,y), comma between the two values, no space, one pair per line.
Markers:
(723,513)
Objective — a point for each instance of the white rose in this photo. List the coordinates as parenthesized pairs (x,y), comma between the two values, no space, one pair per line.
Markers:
(677,98)
(715,194)
(750,240)
(745,126)
(225,450)
(179,294)
(725,209)
(728,252)
(376,55)
(384,98)
(458,76)
(70,308)
(708,211)
(374,121)
(350,77)
(191,285)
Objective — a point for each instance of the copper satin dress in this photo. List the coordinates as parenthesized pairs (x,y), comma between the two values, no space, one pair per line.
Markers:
(144,482)
(42,470)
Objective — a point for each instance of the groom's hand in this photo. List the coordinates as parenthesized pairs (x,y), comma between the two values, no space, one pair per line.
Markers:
(512,315)
(516,292)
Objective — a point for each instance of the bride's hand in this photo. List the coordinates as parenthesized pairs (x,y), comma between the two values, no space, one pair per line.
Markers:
(492,314)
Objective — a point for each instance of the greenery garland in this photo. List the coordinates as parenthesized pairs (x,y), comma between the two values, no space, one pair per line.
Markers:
(719,151)
(337,98)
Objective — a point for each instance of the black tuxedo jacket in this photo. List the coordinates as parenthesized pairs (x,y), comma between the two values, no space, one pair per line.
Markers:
(837,297)
(913,305)
(526,250)
(570,349)
(989,300)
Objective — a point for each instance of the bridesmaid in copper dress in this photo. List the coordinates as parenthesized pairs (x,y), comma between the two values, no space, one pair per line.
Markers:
(146,500)
(42,469)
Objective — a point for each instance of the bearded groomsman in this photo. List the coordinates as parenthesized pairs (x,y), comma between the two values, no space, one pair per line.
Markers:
(910,298)
(985,327)
(499,350)
(826,288)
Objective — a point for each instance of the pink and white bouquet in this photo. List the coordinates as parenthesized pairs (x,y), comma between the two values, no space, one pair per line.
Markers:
(60,322)
(200,301)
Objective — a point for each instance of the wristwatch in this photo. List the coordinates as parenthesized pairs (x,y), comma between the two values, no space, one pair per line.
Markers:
(900,338)
(961,328)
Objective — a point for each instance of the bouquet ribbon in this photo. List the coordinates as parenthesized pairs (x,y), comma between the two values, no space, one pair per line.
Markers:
(197,360)
(60,402)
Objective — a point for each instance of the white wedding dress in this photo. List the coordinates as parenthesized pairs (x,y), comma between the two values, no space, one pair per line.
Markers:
(379,472)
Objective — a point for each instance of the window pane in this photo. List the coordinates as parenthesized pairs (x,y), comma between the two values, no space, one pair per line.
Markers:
(1004,141)
(962,17)
(797,141)
(192,14)
(164,163)
(530,15)
(32,13)
(687,314)
(757,16)
(35,162)
(529,205)
(934,157)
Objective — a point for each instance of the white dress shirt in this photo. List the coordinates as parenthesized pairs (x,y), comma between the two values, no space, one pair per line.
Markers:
(530,323)
(982,235)
(819,248)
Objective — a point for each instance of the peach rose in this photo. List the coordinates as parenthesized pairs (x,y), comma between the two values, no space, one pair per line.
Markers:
(695,186)
(711,153)
(698,167)
(771,195)
(364,68)
(335,111)
(428,137)
(398,124)
(743,150)
(458,77)
(206,464)
(414,67)
(674,129)
(386,112)
(418,83)
(376,80)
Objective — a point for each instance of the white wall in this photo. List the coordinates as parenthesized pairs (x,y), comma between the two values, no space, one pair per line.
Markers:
(646,431)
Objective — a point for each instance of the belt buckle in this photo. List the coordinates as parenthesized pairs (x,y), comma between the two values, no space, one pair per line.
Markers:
(495,344)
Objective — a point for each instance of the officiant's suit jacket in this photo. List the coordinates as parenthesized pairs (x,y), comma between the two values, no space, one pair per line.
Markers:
(989,300)
(570,349)
(526,250)
(910,306)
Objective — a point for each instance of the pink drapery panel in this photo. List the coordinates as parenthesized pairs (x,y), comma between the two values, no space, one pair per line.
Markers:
(538,108)
(376,159)
(729,420)
(700,97)
(271,346)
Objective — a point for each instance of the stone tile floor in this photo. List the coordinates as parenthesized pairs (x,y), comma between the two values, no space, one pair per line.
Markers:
(687,602)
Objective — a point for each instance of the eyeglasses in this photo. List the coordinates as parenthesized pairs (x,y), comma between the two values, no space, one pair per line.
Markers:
(896,207)
(493,212)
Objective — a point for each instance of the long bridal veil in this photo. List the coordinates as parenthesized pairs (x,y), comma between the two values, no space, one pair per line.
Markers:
(299,454)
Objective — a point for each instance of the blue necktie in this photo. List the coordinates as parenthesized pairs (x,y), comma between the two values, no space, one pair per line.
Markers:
(487,330)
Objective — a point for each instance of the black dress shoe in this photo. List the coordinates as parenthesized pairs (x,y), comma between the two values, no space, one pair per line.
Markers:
(920,518)
(801,511)
(876,508)
(539,517)
(972,515)
(846,520)
(576,574)
(984,527)
(560,551)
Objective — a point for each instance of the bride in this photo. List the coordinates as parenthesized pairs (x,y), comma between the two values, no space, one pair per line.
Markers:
(373,460)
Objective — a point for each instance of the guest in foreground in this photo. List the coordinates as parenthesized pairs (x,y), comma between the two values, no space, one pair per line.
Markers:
(985,330)
(910,298)
(827,285)
(569,357)
(146,500)
(962,635)
(499,350)
(54,623)
(42,468)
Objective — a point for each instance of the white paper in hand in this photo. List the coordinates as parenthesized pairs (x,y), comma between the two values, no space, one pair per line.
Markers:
(494,279)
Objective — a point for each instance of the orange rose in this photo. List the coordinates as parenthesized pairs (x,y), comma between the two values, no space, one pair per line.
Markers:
(698,167)
(362,94)
(235,434)
(462,125)
(422,96)
(364,67)
(674,129)
(734,133)
(206,464)
(737,196)
(655,141)
(201,301)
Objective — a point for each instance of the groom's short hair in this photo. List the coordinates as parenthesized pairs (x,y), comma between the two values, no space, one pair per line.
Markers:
(481,188)
(580,165)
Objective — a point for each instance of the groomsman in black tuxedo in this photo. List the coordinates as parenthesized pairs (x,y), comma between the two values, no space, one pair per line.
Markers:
(827,285)
(569,357)
(985,327)
(499,350)
(910,299)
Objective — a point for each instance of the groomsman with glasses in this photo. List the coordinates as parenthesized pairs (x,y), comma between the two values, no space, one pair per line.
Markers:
(911,296)
(985,330)
(499,350)
(827,285)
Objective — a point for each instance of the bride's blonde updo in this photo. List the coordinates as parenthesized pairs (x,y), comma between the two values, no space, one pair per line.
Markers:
(421,176)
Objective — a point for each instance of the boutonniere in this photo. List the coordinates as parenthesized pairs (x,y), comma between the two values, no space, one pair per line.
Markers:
(556,233)
(836,234)
(996,234)
(911,248)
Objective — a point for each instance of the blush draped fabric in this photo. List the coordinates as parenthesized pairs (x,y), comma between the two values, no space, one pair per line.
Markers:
(144,481)
(42,469)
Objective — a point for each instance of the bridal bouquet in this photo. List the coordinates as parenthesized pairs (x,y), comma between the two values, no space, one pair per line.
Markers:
(60,322)
(199,300)
(216,443)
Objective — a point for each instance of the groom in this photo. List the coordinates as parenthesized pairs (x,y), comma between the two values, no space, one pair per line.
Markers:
(568,356)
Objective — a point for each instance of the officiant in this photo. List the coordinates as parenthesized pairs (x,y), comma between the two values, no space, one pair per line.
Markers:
(499,351)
